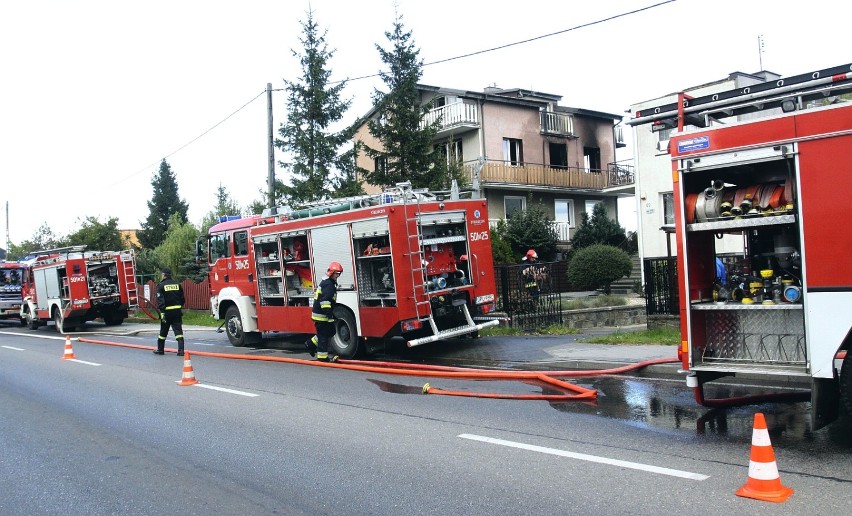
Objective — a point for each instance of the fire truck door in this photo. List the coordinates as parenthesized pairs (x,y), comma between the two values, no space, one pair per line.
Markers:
(47,286)
(333,244)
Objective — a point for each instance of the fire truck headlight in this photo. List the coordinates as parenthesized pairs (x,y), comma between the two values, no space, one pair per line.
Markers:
(488,298)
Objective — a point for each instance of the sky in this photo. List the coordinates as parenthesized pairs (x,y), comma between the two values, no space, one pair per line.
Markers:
(95,93)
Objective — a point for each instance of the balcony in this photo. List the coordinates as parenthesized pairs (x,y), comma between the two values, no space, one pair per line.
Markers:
(455,117)
(557,124)
(496,173)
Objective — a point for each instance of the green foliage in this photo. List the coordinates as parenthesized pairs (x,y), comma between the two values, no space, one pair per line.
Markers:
(597,266)
(501,248)
(318,170)
(224,206)
(179,243)
(43,238)
(663,336)
(599,229)
(164,203)
(407,149)
(99,237)
(147,266)
(532,229)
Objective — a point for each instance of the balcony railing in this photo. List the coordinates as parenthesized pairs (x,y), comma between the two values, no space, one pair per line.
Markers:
(453,115)
(561,124)
(499,172)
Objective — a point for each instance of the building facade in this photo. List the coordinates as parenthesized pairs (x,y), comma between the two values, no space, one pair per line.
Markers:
(518,146)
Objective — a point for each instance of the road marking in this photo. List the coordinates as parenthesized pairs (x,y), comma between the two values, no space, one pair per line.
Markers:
(10,347)
(223,389)
(16,334)
(590,458)
(82,361)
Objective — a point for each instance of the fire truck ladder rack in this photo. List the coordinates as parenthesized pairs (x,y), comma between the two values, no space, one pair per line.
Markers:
(789,94)
(422,306)
(390,195)
(128,270)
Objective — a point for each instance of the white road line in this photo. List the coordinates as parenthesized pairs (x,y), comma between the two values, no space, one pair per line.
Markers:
(223,389)
(36,336)
(10,347)
(82,361)
(590,458)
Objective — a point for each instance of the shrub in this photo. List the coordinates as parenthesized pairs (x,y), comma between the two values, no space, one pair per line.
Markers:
(597,266)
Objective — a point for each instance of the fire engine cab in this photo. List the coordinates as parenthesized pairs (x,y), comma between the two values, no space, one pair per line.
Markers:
(71,286)
(417,268)
(780,180)
(11,276)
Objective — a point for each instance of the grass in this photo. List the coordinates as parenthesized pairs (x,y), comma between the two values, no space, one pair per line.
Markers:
(190,317)
(663,336)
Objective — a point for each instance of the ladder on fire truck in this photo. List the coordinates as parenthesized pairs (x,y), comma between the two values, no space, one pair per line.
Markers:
(127,265)
(788,94)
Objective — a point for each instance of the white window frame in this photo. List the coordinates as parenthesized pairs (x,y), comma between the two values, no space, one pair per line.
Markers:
(590,206)
(663,204)
(515,198)
(571,219)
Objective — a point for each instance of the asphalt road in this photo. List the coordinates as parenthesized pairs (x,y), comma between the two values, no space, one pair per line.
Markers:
(122,437)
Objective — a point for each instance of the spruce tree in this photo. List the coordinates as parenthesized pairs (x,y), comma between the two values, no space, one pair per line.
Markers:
(164,203)
(406,152)
(318,169)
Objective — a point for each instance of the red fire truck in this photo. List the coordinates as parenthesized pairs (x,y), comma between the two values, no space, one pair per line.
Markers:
(71,286)
(11,276)
(772,164)
(416,268)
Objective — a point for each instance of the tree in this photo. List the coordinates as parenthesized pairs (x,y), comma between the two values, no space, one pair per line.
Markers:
(318,169)
(43,238)
(179,243)
(599,229)
(597,266)
(531,228)
(224,206)
(97,236)
(407,148)
(164,203)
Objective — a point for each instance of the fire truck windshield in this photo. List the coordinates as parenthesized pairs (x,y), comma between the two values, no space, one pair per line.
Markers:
(10,277)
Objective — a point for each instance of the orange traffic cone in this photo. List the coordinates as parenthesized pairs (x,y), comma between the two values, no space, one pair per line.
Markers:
(69,352)
(763,481)
(188,375)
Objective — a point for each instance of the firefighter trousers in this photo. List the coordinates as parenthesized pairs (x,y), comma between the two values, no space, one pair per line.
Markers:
(171,319)
(325,331)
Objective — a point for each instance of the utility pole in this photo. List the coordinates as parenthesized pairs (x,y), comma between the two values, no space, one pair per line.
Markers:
(760,50)
(271,147)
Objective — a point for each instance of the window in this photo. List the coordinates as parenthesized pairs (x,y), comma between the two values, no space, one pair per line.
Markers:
(564,211)
(664,134)
(510,204)
(668,208)
(592,159)
(558,155)
(220,247)
(590,206)
(452,150)
(380,164)
(241,243)
(513,151)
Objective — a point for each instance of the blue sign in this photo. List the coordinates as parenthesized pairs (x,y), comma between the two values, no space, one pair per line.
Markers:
(692,144)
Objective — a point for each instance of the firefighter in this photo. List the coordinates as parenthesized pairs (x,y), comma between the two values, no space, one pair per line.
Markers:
(325,297)
(531,274)
(170,301)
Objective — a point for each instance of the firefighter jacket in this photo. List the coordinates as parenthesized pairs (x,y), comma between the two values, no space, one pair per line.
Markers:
(169,295)
(325,296)
(529,274)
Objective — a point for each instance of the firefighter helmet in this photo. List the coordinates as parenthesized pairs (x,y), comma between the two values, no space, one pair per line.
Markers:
(532,254)
(335,267)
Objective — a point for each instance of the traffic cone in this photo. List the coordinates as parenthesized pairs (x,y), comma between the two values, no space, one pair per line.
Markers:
(69,352)
(188,375)
(763,481)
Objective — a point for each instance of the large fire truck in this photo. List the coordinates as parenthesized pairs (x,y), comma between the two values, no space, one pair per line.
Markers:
(772,164)
(11,276)
(71,286)
(417,268)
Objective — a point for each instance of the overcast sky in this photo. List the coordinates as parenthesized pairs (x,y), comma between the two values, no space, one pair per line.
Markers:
(93,94)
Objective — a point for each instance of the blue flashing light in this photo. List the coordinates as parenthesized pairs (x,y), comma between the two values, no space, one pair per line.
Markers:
(226,218)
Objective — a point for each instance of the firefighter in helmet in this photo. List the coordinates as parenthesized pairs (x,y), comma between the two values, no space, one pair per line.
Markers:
(170,301)
(325,297)
(531,274)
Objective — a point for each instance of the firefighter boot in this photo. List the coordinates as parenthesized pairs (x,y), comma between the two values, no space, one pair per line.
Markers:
(311,345)
(180,347)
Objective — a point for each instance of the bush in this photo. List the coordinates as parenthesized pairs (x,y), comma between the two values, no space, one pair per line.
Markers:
(597,266)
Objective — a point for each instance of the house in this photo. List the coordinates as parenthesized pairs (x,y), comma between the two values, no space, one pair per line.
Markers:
(654,185)
(516,144)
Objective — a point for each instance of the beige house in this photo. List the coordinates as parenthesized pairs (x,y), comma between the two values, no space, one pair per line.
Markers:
(516,143)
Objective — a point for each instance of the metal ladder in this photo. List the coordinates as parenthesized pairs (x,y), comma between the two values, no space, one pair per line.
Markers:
(128,270)
(422,306)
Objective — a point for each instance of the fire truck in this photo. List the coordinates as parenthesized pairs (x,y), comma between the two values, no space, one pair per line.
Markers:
(71,286)
(11,276)
(417,268)
(771,164)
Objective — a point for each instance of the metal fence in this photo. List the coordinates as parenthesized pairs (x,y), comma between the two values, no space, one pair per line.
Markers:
(524,309)
(197,294)
(661,290)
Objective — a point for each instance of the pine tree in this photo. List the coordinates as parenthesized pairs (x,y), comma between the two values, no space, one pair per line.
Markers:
(407,148)
(598,229)
(164,203)
(318,170)
(224,206)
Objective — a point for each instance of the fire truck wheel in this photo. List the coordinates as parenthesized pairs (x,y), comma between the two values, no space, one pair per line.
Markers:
(846,382)
(32,323)
(234,329)
(58,322)
(345,340)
